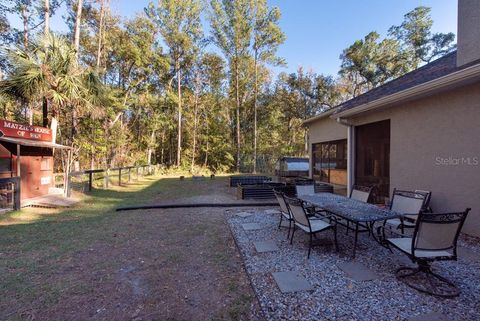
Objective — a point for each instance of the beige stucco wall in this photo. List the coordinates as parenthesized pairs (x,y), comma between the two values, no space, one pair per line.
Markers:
(468,42)
(324,130)
(435,145)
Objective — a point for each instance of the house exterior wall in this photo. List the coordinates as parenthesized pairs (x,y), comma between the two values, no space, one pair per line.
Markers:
(324,130)
(435,145)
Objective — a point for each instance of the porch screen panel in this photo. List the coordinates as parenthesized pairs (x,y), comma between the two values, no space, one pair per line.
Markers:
(330,162)
(372,158)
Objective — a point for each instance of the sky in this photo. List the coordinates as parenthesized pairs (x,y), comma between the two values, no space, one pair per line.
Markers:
(318,30)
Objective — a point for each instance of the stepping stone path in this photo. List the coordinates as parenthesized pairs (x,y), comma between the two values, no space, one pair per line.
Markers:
(433,316)
(244,214)
(291,282)
(265,246)
(251,226)
(272,212)
(357,271)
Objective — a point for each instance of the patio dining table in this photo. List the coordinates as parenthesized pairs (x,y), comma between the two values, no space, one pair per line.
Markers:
(361,214)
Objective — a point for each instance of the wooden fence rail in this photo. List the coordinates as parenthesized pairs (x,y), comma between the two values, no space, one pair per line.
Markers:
(85,179)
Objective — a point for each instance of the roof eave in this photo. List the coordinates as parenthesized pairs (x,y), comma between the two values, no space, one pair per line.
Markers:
(459,77)
(325,114)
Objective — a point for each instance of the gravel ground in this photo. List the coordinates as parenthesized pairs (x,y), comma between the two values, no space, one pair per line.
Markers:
(337,297)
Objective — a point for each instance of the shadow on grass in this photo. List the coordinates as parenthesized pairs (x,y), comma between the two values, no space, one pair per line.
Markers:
(34,228)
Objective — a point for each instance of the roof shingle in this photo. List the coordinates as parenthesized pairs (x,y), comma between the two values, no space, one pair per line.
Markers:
(436,69)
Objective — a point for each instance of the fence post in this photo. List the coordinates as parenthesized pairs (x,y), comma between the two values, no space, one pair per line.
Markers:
(69,184)
(90,181)
(119,176)
(137,173)
(129,174)
(106,179)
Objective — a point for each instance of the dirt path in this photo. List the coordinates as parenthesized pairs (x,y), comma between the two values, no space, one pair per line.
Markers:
(179,264)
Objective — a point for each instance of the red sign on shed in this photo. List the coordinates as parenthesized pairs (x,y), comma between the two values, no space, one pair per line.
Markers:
(12,129)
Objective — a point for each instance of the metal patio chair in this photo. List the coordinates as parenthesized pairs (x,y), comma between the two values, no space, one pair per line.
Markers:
(362,194)
(434,239)
(409,204)
(309,225)
(284,211)
(305,189)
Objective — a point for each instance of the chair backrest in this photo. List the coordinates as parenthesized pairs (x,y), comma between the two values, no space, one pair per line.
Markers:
(305,189)
(298,211)
(281,201)
(407,202)
(360,193)
(438,232)
(427,195)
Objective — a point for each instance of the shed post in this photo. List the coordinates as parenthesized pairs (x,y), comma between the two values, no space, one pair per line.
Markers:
(18,160)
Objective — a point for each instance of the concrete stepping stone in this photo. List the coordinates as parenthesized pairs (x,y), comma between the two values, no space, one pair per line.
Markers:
(251,226)
(467,254)
(357,271)
(272,212)
(291,282)
(244,214)
(265,246)
(432,316)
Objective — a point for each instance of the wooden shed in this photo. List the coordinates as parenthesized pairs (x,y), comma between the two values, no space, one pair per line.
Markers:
(26,152)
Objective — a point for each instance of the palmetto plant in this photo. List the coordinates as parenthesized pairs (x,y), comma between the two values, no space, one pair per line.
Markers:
(48,69)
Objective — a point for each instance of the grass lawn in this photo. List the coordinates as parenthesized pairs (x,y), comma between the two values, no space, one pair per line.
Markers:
(92,263)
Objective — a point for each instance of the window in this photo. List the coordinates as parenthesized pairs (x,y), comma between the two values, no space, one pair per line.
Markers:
(5,164)
(330,161)
(45,164)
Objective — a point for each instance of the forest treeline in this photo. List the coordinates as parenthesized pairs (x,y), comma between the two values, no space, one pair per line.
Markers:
(184,83)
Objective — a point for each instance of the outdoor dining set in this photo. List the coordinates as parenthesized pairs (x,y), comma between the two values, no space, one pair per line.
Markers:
(406,224)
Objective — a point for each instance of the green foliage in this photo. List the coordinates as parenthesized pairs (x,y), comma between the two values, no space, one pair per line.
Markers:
(147,89)
(371,62)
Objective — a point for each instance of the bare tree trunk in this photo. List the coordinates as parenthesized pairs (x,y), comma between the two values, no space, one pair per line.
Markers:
(150,150)
(237,93)
(255,93)
(25,16)
(162,150)
(100,32)
(76,44)
(45,112)
(195,112)
(179,126)
(46,10)
(78,22)
(205,162)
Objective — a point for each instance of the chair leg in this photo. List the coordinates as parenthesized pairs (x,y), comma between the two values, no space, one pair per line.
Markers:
(310,245)
(293,232)
(281,218)
(335,237)
(289,228)
(430,283)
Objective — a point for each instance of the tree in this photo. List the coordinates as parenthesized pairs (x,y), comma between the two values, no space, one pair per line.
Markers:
(231,23)
(370,62)
(178,22)
(267,37)
(416,37)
